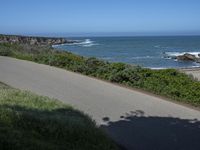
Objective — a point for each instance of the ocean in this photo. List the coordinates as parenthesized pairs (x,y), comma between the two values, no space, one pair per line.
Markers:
(150,52)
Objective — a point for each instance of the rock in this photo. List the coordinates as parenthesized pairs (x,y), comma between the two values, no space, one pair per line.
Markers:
(198,59)
(189,57)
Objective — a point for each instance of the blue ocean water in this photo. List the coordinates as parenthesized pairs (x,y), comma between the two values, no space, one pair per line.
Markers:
(150,52)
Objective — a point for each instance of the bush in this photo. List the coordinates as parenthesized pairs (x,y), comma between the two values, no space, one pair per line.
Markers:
(5,51)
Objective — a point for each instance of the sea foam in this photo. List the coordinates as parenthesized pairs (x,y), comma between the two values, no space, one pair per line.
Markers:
(85,43)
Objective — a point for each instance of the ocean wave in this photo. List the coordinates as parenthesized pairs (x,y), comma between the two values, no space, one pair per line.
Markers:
(88,43)
(107,58)
(84,43)
(58,45)
(174,55)
(157,46)
(143,57)
(158,68)
(162,68)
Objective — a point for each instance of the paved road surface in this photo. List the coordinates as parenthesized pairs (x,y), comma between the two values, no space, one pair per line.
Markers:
(133,119)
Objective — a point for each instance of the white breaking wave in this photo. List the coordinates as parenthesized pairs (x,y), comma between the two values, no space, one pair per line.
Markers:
(84,43)
(173,55)
(87,43)
(107,58)
(158,68)
(143,57)
(157,46)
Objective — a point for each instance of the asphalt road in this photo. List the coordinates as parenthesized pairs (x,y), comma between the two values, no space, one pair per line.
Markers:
(134,119)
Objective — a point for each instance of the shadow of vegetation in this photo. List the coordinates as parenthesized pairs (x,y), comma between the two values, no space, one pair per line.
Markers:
(138,132)
(53,129)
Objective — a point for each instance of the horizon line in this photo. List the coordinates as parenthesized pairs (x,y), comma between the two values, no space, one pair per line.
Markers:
(66,35)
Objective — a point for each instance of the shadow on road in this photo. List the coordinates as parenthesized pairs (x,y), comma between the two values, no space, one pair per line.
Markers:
(138,132)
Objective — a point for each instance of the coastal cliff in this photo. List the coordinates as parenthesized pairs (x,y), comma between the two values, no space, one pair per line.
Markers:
(16,39)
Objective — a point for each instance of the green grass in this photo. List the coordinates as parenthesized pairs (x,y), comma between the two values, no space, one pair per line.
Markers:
(169,83)
(29,122)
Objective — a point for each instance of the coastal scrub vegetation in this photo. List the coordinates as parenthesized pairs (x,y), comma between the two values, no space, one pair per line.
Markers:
(30,122)
(168,82)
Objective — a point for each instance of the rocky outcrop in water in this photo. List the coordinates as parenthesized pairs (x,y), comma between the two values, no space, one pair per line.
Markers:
(33,40)
(189,57)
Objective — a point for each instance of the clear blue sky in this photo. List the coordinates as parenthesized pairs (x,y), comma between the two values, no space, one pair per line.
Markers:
(101,17)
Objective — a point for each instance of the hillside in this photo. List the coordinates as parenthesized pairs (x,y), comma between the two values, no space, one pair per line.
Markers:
(32,40)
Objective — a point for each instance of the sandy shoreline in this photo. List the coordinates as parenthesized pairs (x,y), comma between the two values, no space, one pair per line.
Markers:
(195,72)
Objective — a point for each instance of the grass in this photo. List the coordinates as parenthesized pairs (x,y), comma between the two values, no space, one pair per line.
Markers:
(169,83)
(29,122)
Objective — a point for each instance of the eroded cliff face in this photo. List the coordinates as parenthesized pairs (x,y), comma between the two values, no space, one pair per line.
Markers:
(33,40)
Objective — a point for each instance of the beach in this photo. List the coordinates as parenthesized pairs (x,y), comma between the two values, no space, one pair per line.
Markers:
(195,72)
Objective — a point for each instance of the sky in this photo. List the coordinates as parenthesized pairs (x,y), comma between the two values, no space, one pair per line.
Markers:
(100,17)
